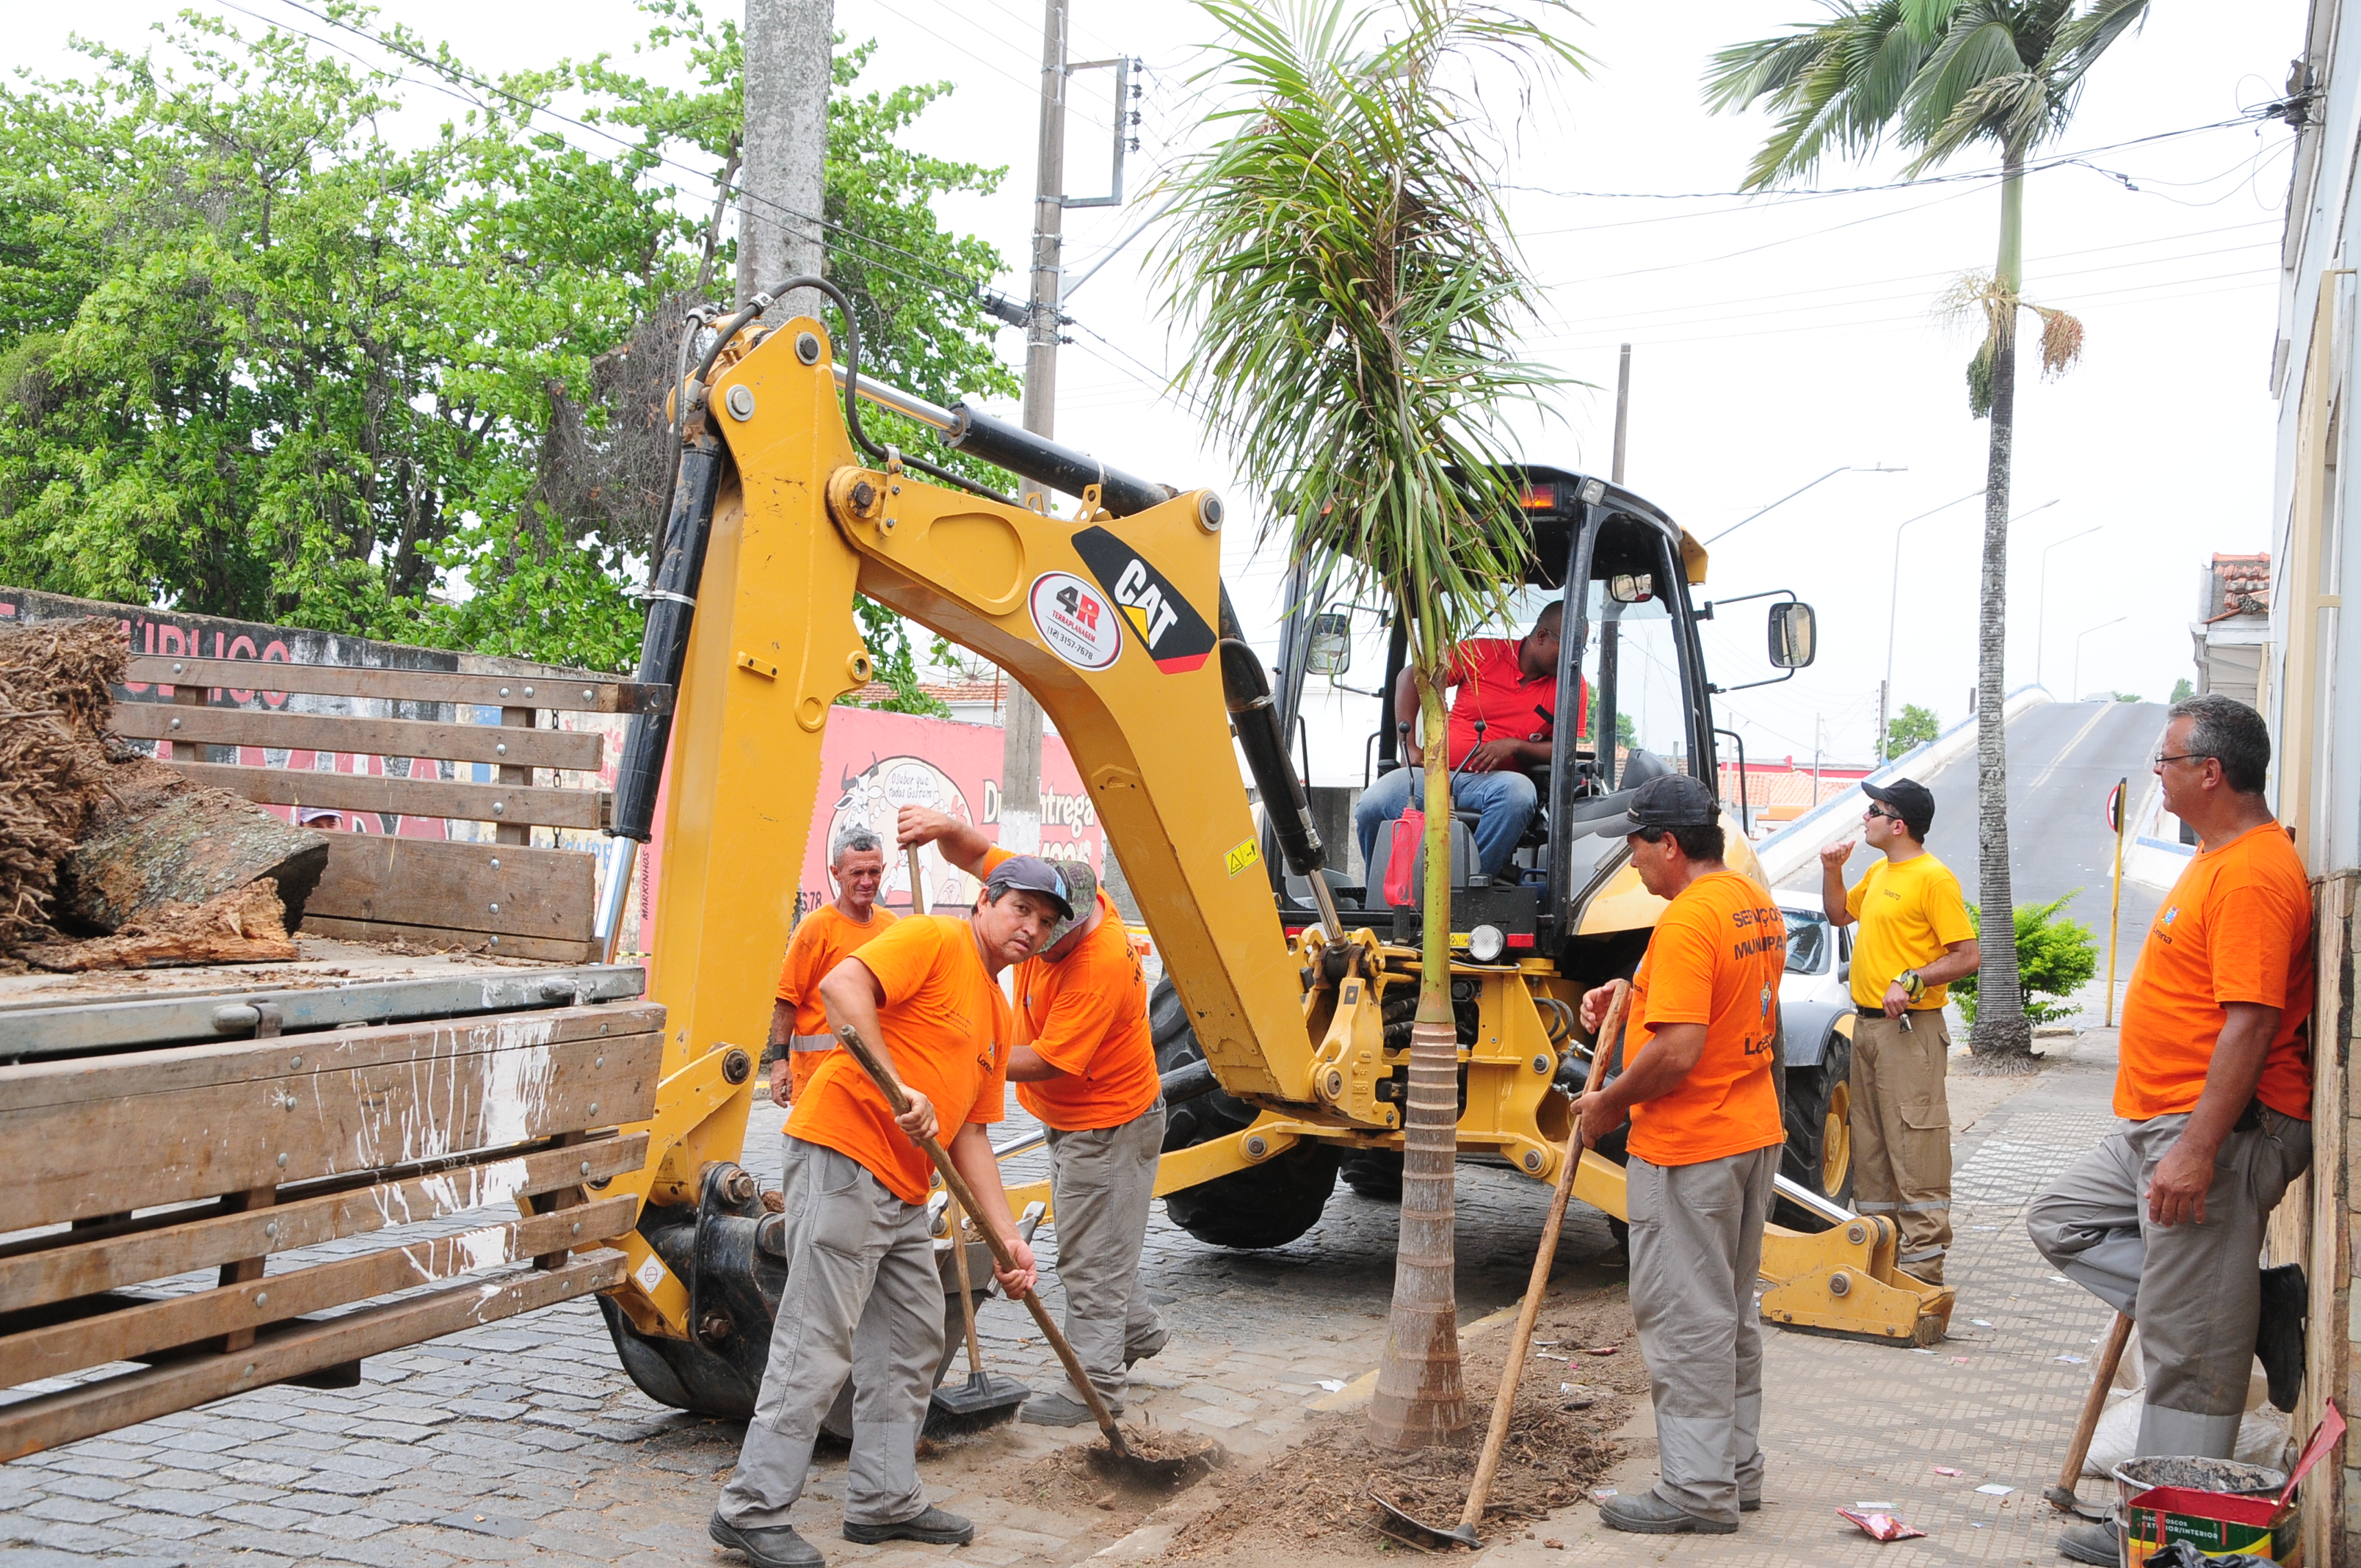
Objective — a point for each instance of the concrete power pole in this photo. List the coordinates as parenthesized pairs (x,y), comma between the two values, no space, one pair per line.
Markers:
(784,183)
(1622,409)
(1020,740)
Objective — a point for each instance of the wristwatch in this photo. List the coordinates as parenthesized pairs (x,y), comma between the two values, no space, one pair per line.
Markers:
(1912,986)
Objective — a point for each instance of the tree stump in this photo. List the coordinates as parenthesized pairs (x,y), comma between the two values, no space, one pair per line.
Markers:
(163,840)
(243,925)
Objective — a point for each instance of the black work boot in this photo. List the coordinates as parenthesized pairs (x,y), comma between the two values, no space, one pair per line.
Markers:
(935,1527)
(2098,1544)
(779,1547)
(2279,1336)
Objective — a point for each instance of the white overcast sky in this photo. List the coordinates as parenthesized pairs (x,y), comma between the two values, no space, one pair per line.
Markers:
(1773,340)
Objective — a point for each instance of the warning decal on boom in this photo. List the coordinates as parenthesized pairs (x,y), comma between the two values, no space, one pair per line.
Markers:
(1168,626)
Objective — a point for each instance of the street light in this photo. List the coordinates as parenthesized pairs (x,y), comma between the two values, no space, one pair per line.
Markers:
(1892,599)
(1791,495)
(2078,646)
(2041,612)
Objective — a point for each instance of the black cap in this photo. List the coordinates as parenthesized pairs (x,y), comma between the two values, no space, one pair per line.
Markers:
(1030,873)
(1909,796)
(1674,800)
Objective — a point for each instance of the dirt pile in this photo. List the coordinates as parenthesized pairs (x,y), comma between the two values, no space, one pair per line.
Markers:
(53,706)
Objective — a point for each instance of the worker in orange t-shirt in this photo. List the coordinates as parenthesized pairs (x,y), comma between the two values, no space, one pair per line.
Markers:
(823,939)
(864,1299)
(2164,1221)
(1084,1066)
(1699,1046)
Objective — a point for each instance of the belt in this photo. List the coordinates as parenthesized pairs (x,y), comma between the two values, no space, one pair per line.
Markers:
(1880,1011)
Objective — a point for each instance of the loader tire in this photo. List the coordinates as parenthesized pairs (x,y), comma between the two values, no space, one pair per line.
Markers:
(1816,1102)
(1268,1206)
(1375,1173)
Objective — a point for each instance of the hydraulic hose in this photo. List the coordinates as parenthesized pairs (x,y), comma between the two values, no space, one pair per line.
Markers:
(1045,462)
(1246,688)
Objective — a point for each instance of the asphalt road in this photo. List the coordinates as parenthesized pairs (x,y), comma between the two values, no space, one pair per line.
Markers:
(2063,757)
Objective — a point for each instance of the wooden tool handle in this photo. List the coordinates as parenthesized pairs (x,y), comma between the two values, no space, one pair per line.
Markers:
(967,1290)
(917,884)
(2094,1402)
(1610,1033)
(1504,1405)
(881,1072)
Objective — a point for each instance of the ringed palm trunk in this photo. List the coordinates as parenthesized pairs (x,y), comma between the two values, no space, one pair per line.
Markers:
(1419,1401)
(2001,1028)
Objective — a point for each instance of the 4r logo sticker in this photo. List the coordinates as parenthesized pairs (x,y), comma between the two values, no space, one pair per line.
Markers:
(1163,619)
(1075,621)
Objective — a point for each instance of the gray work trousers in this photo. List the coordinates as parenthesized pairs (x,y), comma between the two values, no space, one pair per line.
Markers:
(862,1300)
(1696,1247)
(1902,1134)
(1101,1184)
(2200,1285)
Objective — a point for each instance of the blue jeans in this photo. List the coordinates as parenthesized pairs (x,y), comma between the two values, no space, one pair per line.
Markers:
(1505,804)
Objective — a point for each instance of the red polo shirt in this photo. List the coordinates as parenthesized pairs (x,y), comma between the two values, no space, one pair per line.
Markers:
(1493,688)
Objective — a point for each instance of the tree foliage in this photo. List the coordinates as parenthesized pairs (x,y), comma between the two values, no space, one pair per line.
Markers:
(258,360)
(2181,690)
(1914,726)
(2055,957)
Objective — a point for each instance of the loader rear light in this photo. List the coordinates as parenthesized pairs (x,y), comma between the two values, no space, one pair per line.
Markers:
(1538,497)
(1521,939)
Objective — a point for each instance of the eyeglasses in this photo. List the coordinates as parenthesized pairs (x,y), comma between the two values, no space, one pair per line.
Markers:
(2157,759)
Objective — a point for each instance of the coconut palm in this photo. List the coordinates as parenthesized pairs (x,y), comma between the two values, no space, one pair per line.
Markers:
(1936,77)
(1357,306)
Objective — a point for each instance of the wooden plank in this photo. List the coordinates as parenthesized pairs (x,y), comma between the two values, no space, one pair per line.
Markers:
(580,750)
(69,1415)
(234,675)
(176,1068)
(508,890)
(588,810)
(158,1248)
(91,1158)
(244,1306)
(515,778)
(444,939)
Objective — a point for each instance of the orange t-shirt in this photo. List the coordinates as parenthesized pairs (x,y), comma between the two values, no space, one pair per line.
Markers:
(1087,1015)
(2235,927)
(825,940)
(945,1028)
(1715,958)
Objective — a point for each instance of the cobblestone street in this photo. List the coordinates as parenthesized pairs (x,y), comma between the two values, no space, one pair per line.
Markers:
(525,1442)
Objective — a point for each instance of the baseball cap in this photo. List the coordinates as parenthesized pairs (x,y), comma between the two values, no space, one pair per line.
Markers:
(1909,796)
(1030,873)
(1673,800)
(1081,891)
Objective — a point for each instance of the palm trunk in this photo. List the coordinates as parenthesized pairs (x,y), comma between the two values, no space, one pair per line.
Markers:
(2002,1029)
(1418,1400)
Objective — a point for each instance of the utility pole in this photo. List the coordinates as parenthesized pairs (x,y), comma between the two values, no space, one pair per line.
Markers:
(784,183)
(1881,730)
(1815,759)
(1623,408)
(1020,735)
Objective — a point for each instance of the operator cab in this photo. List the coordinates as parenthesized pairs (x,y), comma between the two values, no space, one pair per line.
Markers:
(1629,668)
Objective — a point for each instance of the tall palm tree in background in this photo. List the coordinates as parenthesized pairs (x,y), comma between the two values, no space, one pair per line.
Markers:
(1358,307)
(1936,77)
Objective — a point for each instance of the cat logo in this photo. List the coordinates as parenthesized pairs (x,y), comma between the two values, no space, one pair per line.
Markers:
(1167,624)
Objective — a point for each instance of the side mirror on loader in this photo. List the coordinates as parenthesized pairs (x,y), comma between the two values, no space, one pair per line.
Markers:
(1332,643)
(1794,635)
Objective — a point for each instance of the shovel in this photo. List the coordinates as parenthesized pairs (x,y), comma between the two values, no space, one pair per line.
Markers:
(1417,1531)
(1119,1456)
(2094,1403)
(984,1399)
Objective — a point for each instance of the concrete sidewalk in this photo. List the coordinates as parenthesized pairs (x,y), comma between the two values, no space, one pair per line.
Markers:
(1847,1423)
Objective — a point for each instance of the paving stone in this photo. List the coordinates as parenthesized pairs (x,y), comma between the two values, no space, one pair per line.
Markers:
(71,1510)
(261,1515)
(506,1528)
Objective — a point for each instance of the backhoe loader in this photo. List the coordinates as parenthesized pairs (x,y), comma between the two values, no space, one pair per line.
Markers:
(1283,1027)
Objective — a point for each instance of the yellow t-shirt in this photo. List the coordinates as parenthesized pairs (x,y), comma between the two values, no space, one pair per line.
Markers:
(1910,915)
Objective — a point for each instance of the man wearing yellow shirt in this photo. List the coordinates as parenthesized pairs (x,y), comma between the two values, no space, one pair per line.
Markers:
(1915,936)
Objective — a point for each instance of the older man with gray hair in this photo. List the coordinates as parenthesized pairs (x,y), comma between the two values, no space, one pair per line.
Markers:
(800,1035)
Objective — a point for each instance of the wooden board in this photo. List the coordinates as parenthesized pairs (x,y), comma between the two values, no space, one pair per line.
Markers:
(235,675)
(137,1333)
(580,750)
(589,809)
(506,889)
(444,940)
(137,1150)
(69,1415)
(65,1264)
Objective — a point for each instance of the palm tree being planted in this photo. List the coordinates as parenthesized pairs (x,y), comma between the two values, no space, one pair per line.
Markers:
(1936,77)
(1358,304)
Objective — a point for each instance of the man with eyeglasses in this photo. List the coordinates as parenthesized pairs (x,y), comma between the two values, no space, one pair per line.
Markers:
(2164,1221)
(1704,1150)
(1916,937)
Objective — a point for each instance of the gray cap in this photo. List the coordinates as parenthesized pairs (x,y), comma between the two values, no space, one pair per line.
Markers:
(1030,873)
(1081,891)
(1674,800)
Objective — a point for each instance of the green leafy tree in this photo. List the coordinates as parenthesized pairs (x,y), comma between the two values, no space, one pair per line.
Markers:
(256,362)
(1914,726)
(2181,690)
(2129,697)
(1627,729)
(1937,78)
(1345,261)
(2056,957)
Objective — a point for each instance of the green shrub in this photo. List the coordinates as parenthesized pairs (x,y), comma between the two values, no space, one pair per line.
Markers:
(2055,957)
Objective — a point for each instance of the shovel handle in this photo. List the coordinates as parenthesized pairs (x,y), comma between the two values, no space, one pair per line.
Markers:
(917,884)
(881,1072)
(1504,1404)
(966,1289)
(2094,1403)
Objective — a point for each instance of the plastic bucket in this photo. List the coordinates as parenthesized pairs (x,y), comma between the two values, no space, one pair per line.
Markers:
(2133,1476)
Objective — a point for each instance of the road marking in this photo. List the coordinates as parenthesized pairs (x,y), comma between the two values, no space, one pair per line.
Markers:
(2068,749)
